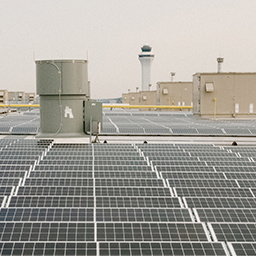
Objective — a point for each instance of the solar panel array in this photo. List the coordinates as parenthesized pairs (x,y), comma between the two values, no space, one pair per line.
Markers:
(125,199)
(132,122)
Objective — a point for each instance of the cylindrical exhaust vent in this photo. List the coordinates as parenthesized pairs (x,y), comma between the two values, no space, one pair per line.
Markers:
(62,86)
(220,61)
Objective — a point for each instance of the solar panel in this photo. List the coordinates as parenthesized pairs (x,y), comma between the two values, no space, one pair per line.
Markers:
(151,232)
(133,191)
(46,231)
(61,174)
(231,163)
(185,168)
(125,175)
(137,202)
(51,201)
(12,174)
(202,183)
(162,248)
(216,202)
(55,191)
(5,190)
(47,215)
(234,232)
(65,162)
(192,175)
(214,192)
(10,182)
(226,215)
(241,175)
(234,169)
(128,183)
(247,183)
(224,159)
(143,215)
(243,248)
(122,168)
(172,158)
(63,167)
(179,163)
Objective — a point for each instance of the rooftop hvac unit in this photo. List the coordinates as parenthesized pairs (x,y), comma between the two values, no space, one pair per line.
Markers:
(63,87)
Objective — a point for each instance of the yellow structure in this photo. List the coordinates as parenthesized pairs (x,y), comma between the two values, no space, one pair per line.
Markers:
(224,95)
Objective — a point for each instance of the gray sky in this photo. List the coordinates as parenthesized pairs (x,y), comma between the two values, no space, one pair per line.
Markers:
(186,37)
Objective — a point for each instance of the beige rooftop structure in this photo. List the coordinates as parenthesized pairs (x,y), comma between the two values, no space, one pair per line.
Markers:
(140,98)
(3,96)
(131,98)
(224,95)
(16,96)
(174,93)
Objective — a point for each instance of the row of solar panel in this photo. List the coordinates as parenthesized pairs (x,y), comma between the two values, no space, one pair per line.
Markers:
(131,182)
(86,232)
(130,202)
(124,248)
(103,215)
(127,215)
(130,191)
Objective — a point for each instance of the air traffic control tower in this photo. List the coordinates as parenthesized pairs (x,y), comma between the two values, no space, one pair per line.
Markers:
(146,58)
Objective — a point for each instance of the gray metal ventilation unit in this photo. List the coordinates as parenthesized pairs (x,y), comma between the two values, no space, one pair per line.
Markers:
(63,87)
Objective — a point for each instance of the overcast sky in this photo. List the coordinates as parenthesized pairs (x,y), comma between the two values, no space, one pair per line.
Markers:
(186,37)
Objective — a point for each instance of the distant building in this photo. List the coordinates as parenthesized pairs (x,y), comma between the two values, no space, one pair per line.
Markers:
(175,93)
(224,94)
(30,97)
(16,97)
(140,98)
(3,96)
(146,57)
(148,98)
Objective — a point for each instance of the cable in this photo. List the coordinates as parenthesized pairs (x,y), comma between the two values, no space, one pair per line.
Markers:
(60,106)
